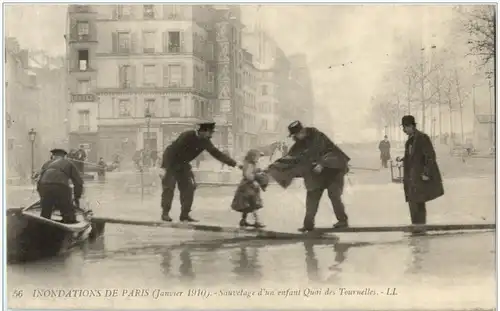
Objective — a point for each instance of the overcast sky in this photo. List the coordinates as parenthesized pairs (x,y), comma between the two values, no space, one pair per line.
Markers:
(361,37)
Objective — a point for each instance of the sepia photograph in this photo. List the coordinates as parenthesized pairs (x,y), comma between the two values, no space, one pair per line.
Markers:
(170,156)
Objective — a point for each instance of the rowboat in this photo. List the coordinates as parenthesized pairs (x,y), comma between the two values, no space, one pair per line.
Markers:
(32,237)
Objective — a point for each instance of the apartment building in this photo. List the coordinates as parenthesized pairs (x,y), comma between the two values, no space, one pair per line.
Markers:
(142,74)
(34,99)
(250,116)
(284,90)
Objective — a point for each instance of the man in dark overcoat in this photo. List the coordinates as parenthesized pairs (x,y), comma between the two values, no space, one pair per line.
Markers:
(385,151)
(321,164)
(176,163)
(422,179)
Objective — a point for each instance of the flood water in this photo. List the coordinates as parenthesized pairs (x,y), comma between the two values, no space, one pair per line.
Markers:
(361,270)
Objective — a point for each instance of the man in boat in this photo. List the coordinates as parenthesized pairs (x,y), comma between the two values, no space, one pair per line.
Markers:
(176,163)
(54,189)
(422,178)
(321,163)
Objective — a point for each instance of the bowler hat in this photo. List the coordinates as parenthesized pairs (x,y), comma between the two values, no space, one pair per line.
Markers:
(295,127)
(408,120)
(58,151)
(207,126)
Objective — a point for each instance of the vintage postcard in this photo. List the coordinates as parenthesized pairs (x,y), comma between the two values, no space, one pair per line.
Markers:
(250,156)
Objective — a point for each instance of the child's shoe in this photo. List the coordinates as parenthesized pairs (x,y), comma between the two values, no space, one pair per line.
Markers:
(258,225)
(244,223)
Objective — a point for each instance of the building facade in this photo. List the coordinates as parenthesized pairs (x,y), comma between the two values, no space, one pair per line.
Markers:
(34,99)
(142,74)
(284,90)
(250,115)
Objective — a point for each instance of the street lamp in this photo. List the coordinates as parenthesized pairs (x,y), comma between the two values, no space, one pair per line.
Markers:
(32,137)
(148,115)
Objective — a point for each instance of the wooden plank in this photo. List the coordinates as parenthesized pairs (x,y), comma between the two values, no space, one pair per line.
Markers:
(211,228)
(408,228)
(80,226)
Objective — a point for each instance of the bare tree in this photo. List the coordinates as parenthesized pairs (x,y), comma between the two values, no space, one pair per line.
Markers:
(480,23)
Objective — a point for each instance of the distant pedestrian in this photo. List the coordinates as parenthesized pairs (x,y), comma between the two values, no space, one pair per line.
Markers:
(154,157)
(247,199)
(422,178)
(101,169)
(385,151)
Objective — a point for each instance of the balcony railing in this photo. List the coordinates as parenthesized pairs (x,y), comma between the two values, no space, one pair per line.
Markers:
(83,128)
(82,8)
(79,98)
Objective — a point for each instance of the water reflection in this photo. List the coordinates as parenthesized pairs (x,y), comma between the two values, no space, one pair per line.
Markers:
(246,264)
(313,265)
(419,247)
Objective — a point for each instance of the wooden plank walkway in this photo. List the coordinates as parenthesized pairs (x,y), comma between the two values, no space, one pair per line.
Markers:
(265,234)
(318,232)
(409,228)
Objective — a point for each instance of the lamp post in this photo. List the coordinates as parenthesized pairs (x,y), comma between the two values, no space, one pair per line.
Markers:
(148,115)
(32,137)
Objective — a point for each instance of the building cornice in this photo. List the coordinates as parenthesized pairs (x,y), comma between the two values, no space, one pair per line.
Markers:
(154,91)
(156,55)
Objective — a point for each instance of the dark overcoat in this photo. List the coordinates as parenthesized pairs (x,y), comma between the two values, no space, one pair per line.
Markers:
(316,148)
(420,160)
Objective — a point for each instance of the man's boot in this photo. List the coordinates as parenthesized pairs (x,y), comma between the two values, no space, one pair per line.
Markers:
(341,224)
(166,217)
(187,218)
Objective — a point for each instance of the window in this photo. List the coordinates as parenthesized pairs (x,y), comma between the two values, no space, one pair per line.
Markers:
(124,108)
(264,90)
(174,106)
(175,75)
(125,76)
(83,87)
(124,11)
(150,105)
(149,12)
(149,42)
(83,120)
(123,42)
(83,29)
(149,75)
(171,11)
(174,41)
(83,60)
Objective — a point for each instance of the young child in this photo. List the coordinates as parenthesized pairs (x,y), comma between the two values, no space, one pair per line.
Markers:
(247,198)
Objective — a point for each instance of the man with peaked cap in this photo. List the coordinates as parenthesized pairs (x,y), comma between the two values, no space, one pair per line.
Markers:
(54,188)
(422,178)
(323,166)
(176,163)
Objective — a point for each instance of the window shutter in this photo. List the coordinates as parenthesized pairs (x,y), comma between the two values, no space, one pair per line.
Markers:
(133,42)
(156,10)
(167,11)
(166,76)
(165,42)
(114,42)
(132,76)
(158,75)
(182,47)
(73,35)
(121,76)
(183,77)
